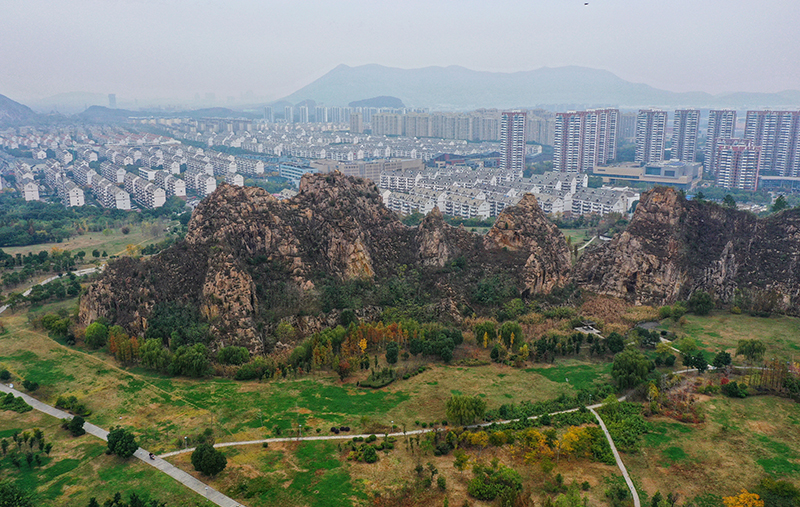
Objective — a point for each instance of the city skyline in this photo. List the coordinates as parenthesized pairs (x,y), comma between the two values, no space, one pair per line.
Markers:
(265,50)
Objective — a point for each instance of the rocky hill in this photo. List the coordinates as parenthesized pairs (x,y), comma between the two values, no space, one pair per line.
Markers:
(673,247)
(250,260)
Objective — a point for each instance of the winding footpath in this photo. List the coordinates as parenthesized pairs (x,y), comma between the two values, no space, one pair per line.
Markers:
(176,473)
(79,272)
(219,499)
(224,501)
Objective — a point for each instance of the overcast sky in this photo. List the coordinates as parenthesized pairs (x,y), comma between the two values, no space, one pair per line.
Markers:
(178,48)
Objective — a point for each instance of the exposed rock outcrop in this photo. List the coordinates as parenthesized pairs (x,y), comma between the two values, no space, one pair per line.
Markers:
(523,228)
(249,259)
(674,247)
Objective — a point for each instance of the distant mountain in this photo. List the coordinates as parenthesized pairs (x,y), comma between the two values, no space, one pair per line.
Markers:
(458,88)
(70,102)
(382,101)
(102,114)
(14,112)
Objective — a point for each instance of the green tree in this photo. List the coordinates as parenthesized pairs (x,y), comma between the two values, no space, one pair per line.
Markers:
(96,335)
(511,329)
(753,350)
(780,204)
(153,355)
(461,460)
(701,303)
(615,342)
(630,368)
(721,360)
(121,442)
(463,409)
(728,201)
(75,426)
(208,461)
(233,355)
(392,351)
(191,361)
(12,496)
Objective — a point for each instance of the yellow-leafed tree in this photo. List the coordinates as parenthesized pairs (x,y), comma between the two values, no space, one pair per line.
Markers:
(743,499)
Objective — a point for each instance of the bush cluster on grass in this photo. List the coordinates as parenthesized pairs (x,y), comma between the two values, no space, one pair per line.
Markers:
(381,378)
(10,402)
(71,404)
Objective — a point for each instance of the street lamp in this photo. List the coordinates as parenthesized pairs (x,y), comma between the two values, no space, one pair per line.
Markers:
(300,432)
(185,442)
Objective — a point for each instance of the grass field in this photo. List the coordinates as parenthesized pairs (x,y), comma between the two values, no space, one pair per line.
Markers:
(78,469)
(722,330)
(741,441)
(319,474)
(163,410)
(113,243)
(579,236)
(308,473)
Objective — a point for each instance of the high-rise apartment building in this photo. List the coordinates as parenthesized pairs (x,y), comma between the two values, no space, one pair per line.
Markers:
(387,124)
(651,127)
(303,114)
(585,139)
(321,114)
(721,125)
(356,123)
(512,140)
(778,134)
(627,126)
(288,114)
(737,163)
(684,134)
(541,127)
(268,115)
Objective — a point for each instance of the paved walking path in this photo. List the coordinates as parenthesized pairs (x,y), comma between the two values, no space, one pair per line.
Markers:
(176,473)
(365,435)
(587,243)
(79,272)
(620,464)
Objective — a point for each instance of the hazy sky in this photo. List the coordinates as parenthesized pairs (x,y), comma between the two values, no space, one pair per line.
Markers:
(179,48)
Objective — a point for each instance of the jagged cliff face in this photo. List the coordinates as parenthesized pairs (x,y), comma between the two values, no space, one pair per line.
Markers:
(673,247)
(524,228)
(247,255)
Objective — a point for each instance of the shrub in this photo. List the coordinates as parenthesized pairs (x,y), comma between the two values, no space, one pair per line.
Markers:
(121,442)
(5,375)
(490,483)
(369,454)
(208,461)
(700,303)
(30,385)
(75,426)
(734,390)
(233,355)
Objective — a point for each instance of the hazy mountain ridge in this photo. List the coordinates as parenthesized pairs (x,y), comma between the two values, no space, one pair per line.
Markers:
(459,88)
(14,112)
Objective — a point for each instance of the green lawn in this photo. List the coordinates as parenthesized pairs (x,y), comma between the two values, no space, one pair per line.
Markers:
(113,243)
(78,469)
(309,473)
(722,330)
(741,441)
(163,410)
